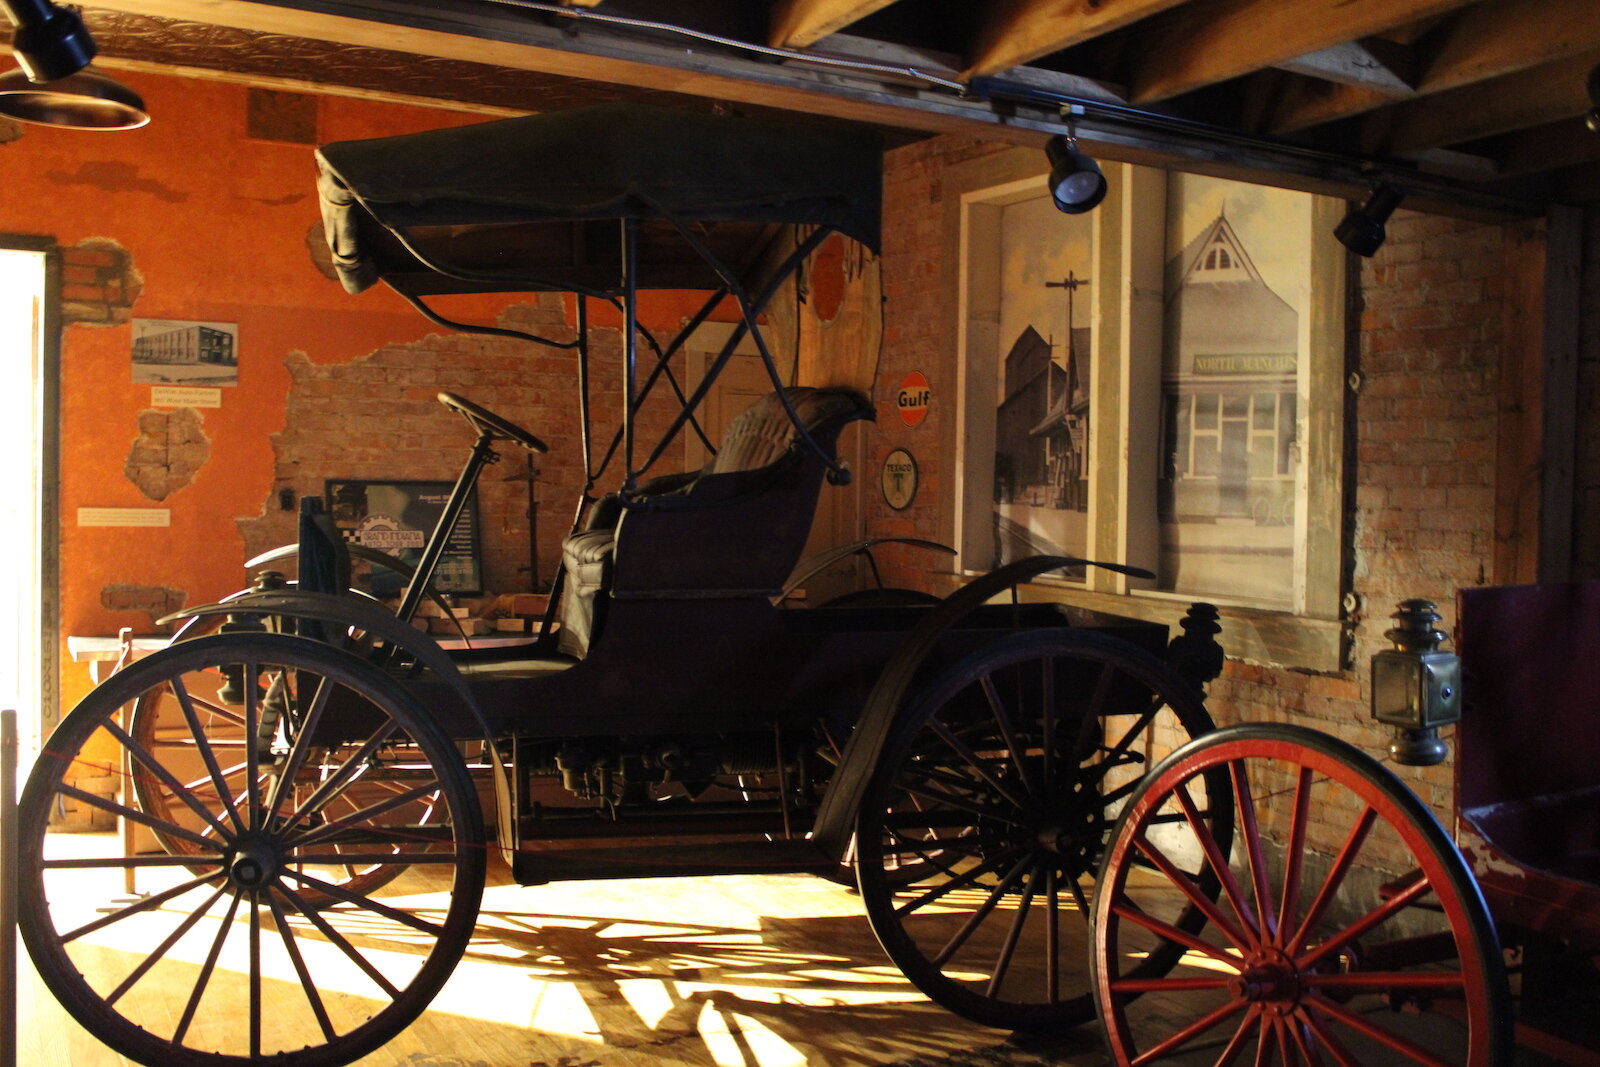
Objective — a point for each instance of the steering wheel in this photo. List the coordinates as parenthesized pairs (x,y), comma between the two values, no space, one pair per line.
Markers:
(488,422)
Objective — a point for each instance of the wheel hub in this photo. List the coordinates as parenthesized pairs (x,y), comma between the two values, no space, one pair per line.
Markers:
(254,863)
(1270,978)
(1076,834)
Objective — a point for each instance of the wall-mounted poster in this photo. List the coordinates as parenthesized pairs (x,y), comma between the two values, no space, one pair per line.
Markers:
(396,517)
(172,352)
(1039,383)
(1238,276)
(1159,382)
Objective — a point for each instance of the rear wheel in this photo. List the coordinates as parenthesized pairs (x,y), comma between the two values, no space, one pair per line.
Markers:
(272,823)
(983,825)
(1311,956)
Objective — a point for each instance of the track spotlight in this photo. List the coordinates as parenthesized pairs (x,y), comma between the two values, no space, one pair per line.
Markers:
(1361,230)
(50,42)
(1076,182)
(1593,118)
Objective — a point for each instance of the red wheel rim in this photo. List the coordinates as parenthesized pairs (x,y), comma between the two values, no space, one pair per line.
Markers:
(1305,954)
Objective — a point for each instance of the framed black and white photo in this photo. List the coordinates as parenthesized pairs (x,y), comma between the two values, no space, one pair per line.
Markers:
(173,352)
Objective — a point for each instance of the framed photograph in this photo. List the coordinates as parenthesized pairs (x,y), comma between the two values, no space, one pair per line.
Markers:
(1159,383)
(1238,279)
(1027,405)
(396,517)
(172,352)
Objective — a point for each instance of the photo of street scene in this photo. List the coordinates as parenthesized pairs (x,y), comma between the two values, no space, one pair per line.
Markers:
(1042,373)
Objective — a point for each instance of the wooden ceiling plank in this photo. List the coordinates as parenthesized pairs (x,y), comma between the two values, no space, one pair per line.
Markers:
(1016,31)
(798,23)
(1545,94)
(1563,144)
(1373,63)
(1205,43)
(1486,41)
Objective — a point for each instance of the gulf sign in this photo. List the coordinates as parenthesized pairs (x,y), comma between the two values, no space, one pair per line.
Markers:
(912,402)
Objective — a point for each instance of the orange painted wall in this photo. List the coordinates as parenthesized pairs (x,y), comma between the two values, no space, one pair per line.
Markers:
(216,226)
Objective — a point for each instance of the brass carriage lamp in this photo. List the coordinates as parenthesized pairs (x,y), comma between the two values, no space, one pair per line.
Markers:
(1416,687)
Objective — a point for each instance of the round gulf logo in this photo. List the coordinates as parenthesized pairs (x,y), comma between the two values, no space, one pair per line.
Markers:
(912,402)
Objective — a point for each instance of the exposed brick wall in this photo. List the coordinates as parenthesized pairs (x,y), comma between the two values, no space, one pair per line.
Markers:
(913,260)
(378,417)
(98,283)
(171,448)
(1430,307)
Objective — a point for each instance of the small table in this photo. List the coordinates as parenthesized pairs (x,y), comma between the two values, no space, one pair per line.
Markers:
(107,655)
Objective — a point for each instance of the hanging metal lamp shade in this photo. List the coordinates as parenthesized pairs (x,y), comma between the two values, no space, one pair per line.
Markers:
(81,101)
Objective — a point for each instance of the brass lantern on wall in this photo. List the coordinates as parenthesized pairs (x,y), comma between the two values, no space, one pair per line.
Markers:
(1416,686)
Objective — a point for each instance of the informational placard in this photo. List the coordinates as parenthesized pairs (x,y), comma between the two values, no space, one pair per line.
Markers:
(899,479)
(124,517)
(396,518)
(181,396)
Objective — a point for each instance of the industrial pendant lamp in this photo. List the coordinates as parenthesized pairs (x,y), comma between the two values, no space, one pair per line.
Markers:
(52,88)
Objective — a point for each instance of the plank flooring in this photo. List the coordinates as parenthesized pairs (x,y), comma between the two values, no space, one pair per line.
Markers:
(732,971)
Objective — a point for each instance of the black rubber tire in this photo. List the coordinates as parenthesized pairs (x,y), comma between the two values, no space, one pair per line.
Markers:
(257,855)
(1298,963)
(992,802)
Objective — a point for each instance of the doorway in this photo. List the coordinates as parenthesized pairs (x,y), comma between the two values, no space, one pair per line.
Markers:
(26,354)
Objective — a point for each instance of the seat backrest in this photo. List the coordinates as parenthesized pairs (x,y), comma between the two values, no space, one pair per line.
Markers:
(736,528)
(1530,686)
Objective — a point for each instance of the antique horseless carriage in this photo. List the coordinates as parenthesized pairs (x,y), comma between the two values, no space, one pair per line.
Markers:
(301,780)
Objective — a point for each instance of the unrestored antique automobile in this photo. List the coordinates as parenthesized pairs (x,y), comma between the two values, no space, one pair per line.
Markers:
(293,771)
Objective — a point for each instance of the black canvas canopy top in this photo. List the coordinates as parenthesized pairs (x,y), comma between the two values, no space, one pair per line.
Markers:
(535,203)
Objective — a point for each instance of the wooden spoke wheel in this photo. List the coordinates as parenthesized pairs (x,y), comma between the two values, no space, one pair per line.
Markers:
(982,828)
(1312,955)
(254,866)
(197,713)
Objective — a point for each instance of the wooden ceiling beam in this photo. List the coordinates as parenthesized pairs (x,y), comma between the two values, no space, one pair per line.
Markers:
(1544,94)
(1212,41)
(1016,31)
(1486,41)
(1568,143)
(798,23)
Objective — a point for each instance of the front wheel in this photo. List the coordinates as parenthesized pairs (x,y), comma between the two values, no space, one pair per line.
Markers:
(982,828)
(288,771)
(1312,955)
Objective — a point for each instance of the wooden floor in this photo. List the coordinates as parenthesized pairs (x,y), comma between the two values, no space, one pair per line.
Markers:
(731,971)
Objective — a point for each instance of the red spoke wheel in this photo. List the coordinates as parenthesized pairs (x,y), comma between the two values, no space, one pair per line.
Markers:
(260,936)
(981,831)
(1346,915)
